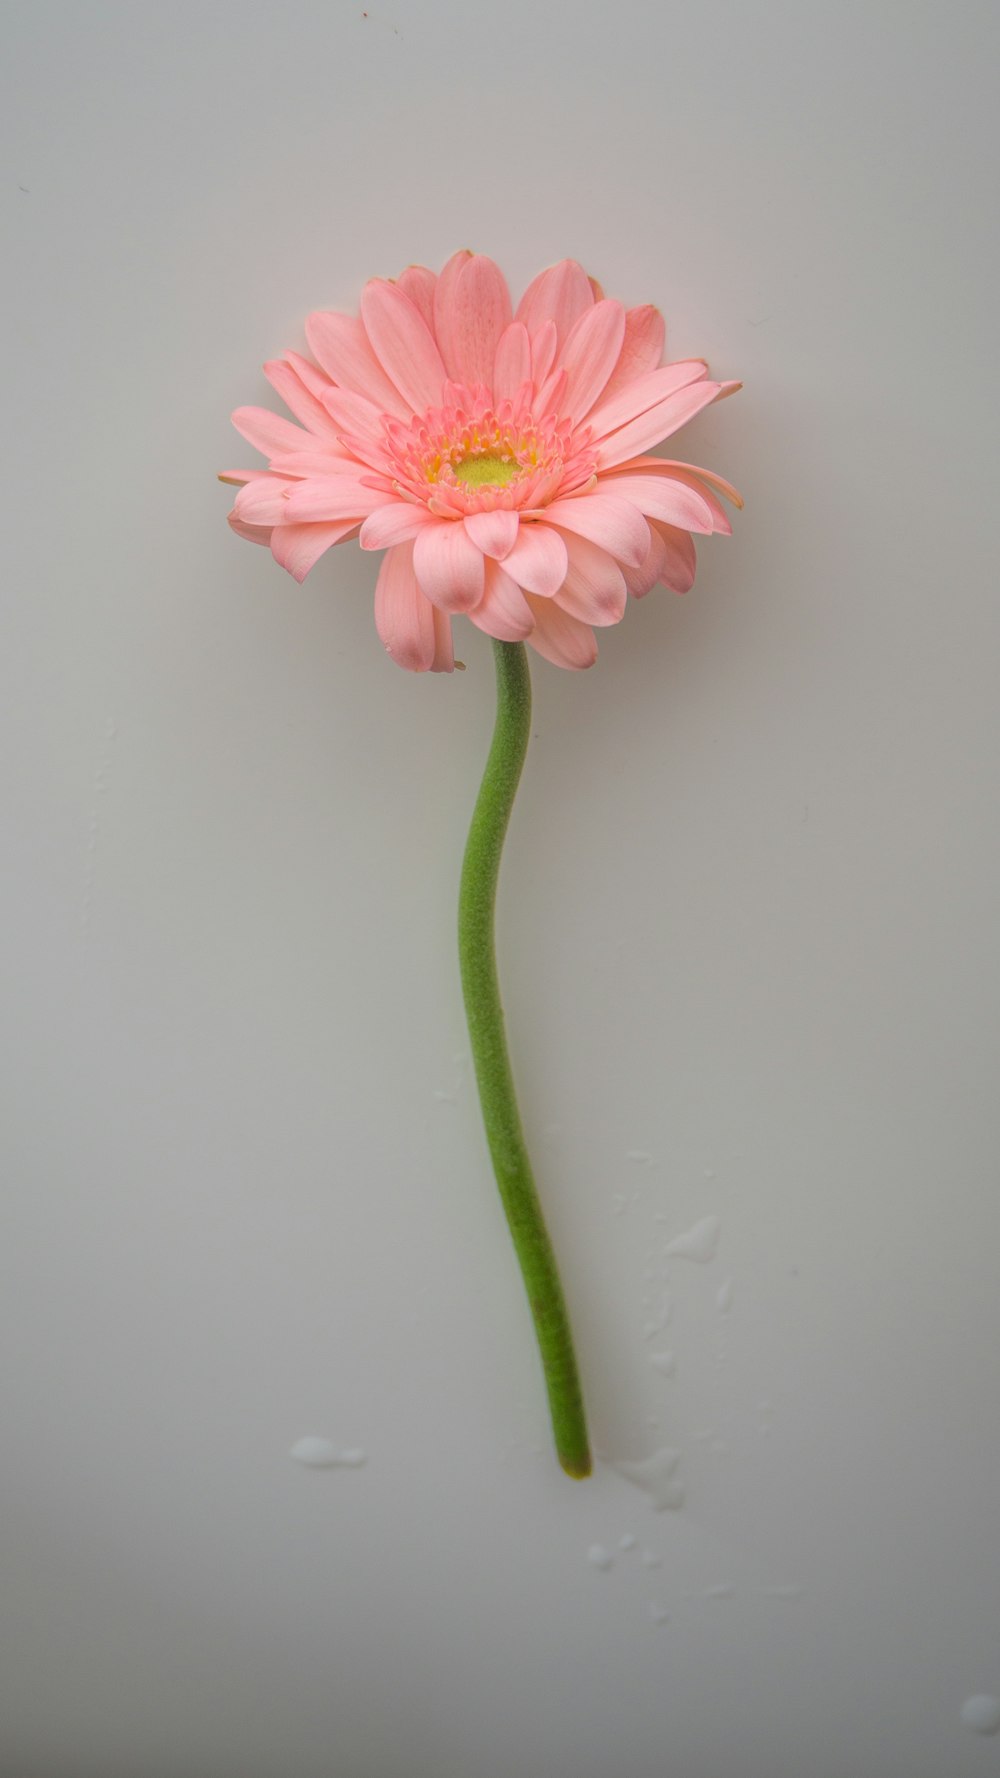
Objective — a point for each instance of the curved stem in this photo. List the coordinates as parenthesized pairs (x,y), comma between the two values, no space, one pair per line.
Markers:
(477,954)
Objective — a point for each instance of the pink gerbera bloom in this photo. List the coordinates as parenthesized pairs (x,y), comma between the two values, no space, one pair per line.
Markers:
(498,458)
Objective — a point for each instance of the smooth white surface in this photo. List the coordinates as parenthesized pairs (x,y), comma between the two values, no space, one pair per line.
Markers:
(748,927)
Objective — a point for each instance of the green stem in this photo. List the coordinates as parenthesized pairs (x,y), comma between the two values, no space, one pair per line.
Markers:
(483,1009)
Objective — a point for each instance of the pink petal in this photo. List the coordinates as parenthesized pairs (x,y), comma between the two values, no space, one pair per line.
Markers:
(667,417)
(690,479)
(644,393)
(236,477)
(356,414)
(445,286)
(417,282)
(512,364)
(444,648)
(318,461)
(590,355)
(677,570)
(470,320)
(550,397)
(448,566)
(642,347)
(403,617)
(364,455)
(397,522)
(594,589)
(331,497)
(310,376)
(559,294)
(342,347)
(606,519)
(543,352)
(268,432)
(403,344)
(667,466)
(561,639)
(538,560)
(363,443)
(640,580)
(495,533)
(660,498)
(502,611)
(263,501)
(285,379)
(299,547)
(252,533)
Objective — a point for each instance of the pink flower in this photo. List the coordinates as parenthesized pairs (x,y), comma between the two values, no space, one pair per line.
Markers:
(498,458)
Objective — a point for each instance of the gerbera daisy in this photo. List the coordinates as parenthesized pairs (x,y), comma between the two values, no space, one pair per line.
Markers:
(498,458)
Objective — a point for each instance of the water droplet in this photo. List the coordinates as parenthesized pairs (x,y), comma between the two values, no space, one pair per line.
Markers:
(627,1541)
(708,1172)
(599,1557)
(657,1476)
(793,1591)
(981,1714)
(658,1614)
(664,1362)
(650,1559)
(724,1590)
(724,1296)
(700,1243)
(640,1156)
(660,1317)
(321,1453)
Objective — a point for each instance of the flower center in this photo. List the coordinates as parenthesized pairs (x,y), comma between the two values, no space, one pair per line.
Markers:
(480,471)
(471,457)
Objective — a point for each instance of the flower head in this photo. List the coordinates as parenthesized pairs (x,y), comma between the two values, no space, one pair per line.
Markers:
(498,458)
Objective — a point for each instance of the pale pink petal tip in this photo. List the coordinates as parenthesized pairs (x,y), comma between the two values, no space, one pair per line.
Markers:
(404,618)
(252,533)
(299,547)
(498,456)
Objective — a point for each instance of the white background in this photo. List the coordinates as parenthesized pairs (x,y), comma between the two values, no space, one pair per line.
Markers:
(748,925)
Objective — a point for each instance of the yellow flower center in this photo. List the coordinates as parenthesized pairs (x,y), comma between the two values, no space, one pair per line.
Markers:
(486,472)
